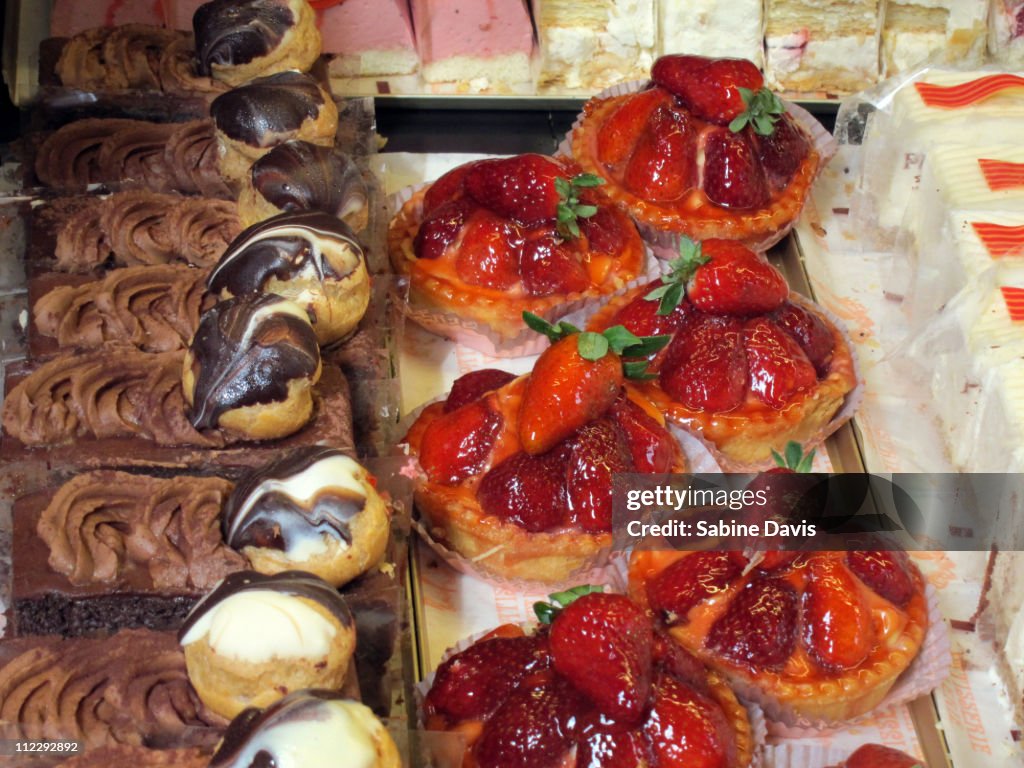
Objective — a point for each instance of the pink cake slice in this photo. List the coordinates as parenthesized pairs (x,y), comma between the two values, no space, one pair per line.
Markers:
(369,37)
(474,40)
(178,13)
(69,17)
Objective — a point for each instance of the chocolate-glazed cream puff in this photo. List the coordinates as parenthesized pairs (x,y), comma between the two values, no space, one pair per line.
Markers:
(254,639)
(300,176)
(251,367)
(311,258)
(238,40)
(254,118)
(307,729)
(314,509)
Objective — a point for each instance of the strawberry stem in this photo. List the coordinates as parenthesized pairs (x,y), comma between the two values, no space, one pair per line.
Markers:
(570,210)
(763,110)
(794,458)
(546,612)
(673,285)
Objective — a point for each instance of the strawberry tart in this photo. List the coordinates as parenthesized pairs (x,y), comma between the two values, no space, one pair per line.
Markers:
(597,684)
(815,637)
(517,472)
(751,365)
(706,150)
(494,238)
(482,44)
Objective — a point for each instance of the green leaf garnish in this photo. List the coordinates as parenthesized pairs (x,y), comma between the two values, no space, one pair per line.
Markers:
(593,346)
(570,210)
(794,458)
(553,332)
(546,612)
(673,285)
(763,110)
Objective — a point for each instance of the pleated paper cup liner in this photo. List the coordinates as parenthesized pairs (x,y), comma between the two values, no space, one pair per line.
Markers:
(481,336)
(665,244)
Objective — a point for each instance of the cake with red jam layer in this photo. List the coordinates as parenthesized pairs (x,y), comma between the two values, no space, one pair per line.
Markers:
(368,38)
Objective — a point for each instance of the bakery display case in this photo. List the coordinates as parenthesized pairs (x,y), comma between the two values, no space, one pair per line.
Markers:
(329,332)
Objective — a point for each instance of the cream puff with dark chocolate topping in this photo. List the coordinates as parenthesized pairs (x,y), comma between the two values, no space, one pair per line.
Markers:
(301,176)
(254,118)
(251,367)
(308,729)
(313,509)
(255,638)
(312,258)
(238,40)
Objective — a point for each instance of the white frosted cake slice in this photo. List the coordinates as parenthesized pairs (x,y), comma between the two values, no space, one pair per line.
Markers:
(812,45)
(592,44)
(1003,612)
(919,30)
(712,28)
(1006,32)
(369,37)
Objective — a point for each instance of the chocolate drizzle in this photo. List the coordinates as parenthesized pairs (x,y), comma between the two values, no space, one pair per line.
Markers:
(263,512)
(246,351)
(295,583)
(259,112)
(300,706)
(284,246)
(300,176)
(229,32)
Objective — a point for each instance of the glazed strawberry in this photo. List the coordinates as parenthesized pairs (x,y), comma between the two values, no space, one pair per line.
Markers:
(663,164)
(686,729)
(471,684)
(885,572)
(606,748)
(709,87)
(735,281)
(549,265)
(641,316)
(782,151)
(759,627)
(733,177)
(520,188)
(597,451)
(604,231)
(447,188)
(534,728)
(651,447)
(810,332)
(615,140)
(529,491)
(705,367)
(672,659)
(777,560)
(689,580)
(563,382)
(602,645)
(489,252)
(440,229)
(457,444)
(778,366)
(877,756)
(472,386)
(837,629)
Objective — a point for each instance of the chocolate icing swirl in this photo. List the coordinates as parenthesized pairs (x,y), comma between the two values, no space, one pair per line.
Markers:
(296,583)
(154,308)
(82,243)
(192,156)
(69,157)
(103,526)
(178,73)
(122,689)
(300,176)
(230,32)
(246,351)
(296,707)
(111,392)
(286,246)
(263,512)
(261,111)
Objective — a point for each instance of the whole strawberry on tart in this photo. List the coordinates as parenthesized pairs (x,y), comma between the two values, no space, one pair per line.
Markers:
(517,472)
(596,684)
(494,238)
(704,150)
(814,637)
(751,366)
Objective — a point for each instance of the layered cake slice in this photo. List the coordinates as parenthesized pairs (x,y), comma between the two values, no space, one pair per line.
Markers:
(1006,31)
(1003,611)
(712,28)
(814,46)
(468,42)
(917,30)
(593,44)
(369,37)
